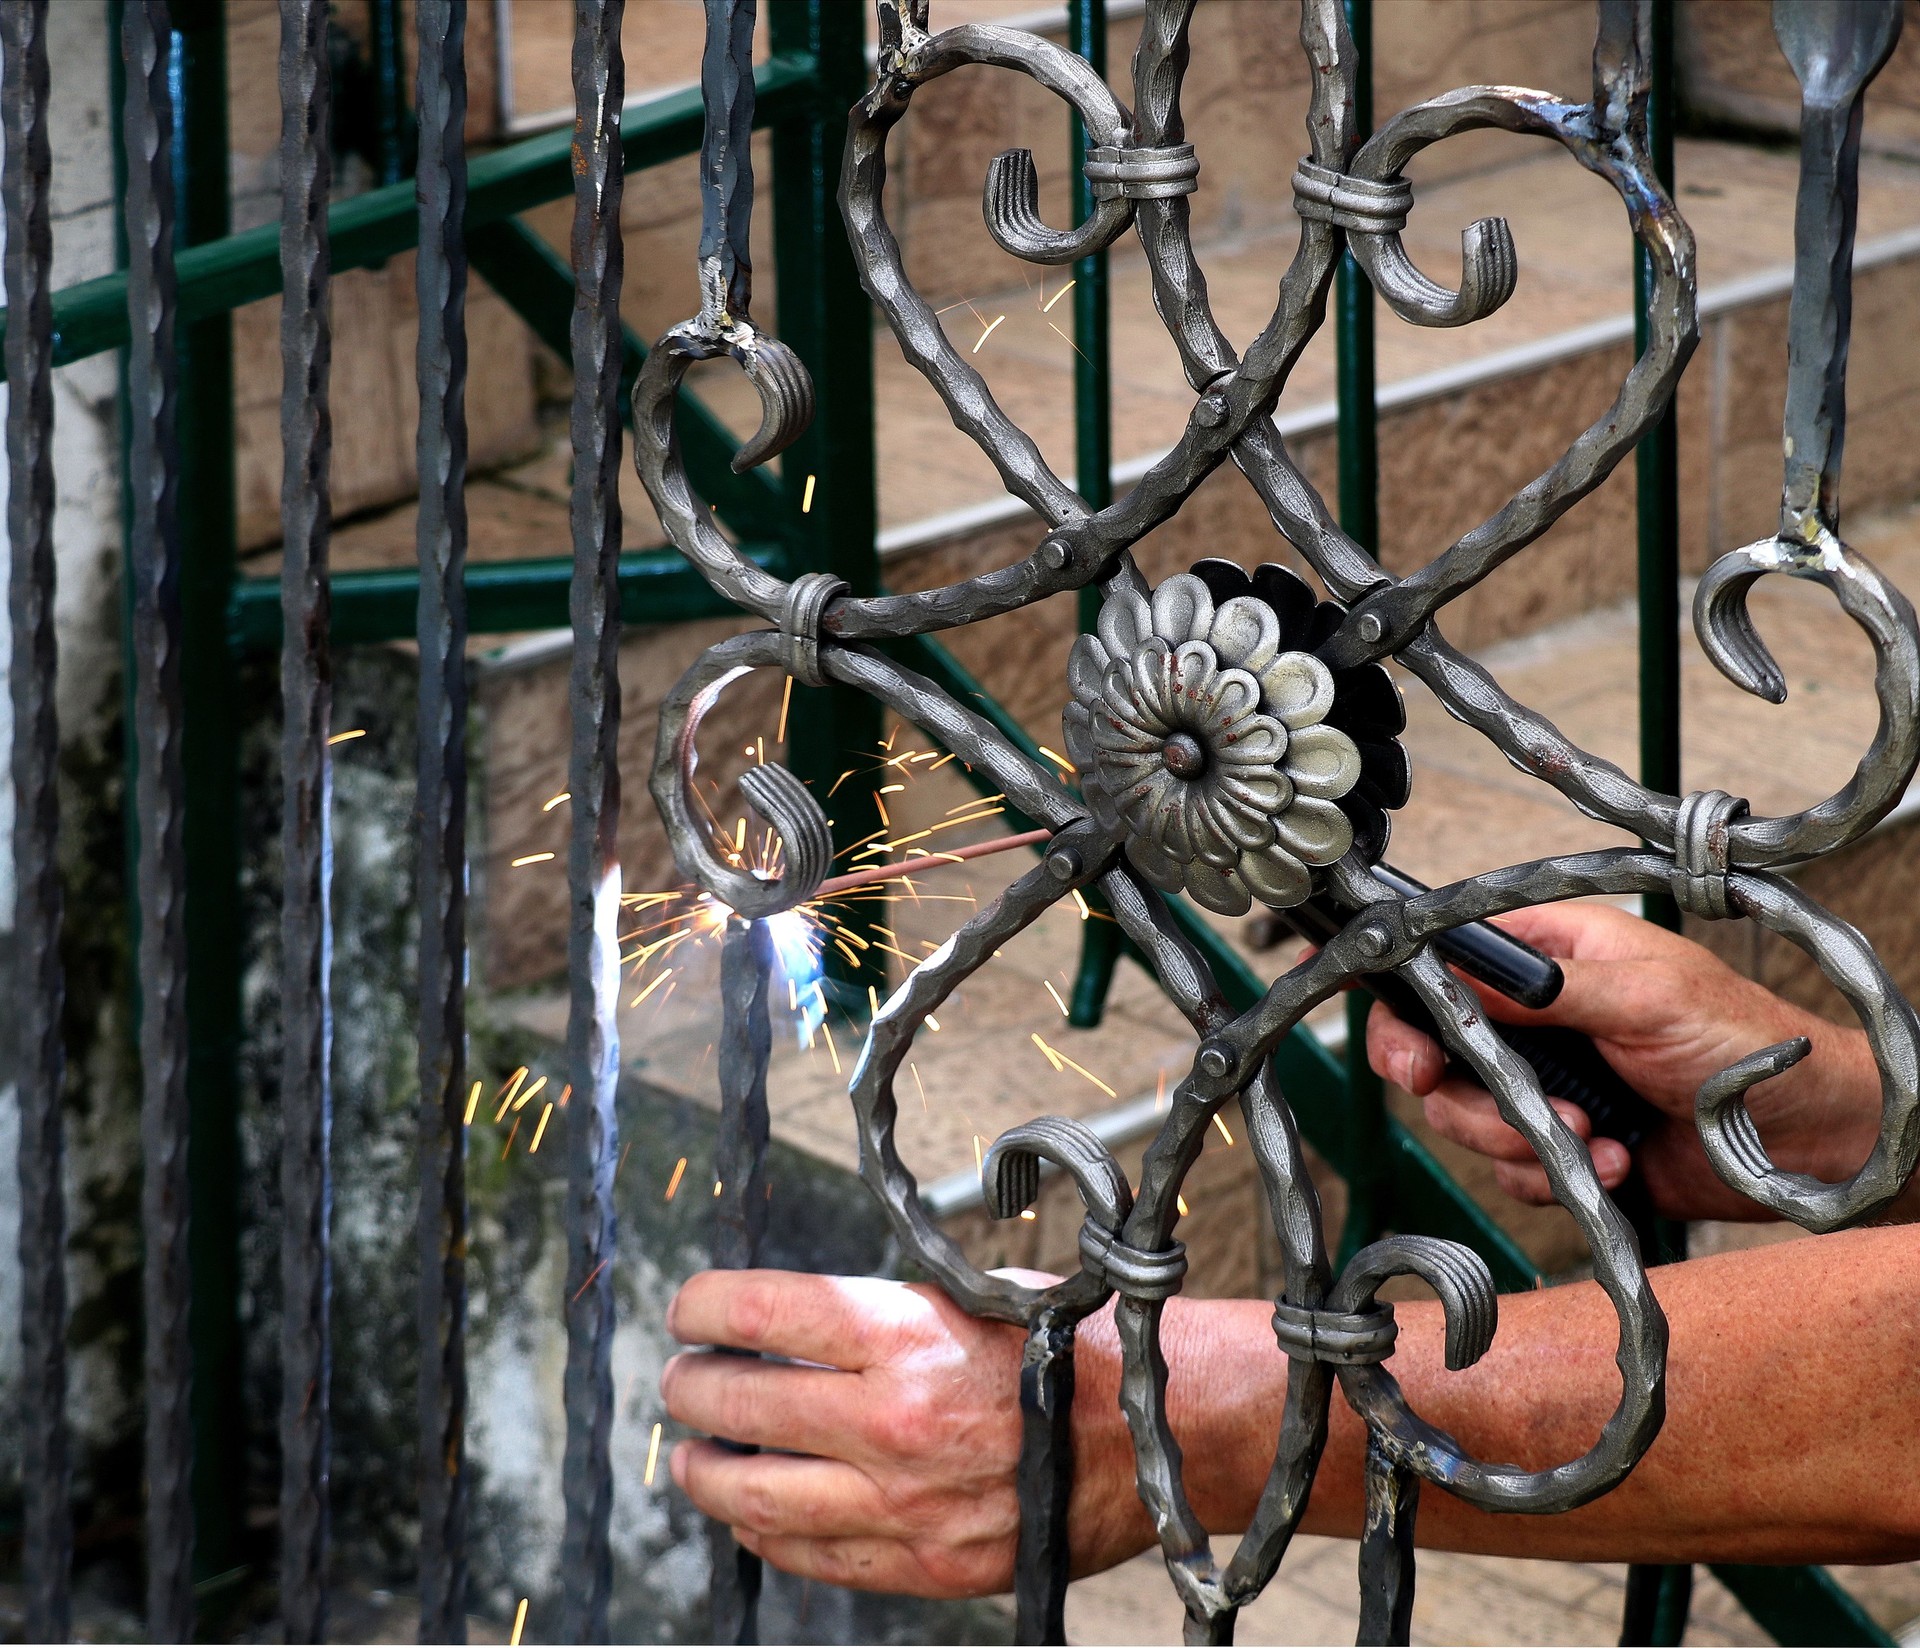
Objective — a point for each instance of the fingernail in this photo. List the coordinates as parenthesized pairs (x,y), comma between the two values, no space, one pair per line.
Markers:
(1403,1070)
(677,1463)
(1610,1160)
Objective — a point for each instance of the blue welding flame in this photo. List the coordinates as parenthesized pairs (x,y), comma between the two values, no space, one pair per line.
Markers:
(796,947)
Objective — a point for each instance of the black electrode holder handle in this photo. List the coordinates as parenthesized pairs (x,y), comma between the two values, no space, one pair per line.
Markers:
(1567,1063)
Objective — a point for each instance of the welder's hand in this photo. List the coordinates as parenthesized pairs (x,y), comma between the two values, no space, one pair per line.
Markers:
(898,1444)
(1666,1014)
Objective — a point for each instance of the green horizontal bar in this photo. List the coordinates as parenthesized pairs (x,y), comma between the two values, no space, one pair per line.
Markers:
(1801,1605)
(91,317)
(657,586)
(1428,1198)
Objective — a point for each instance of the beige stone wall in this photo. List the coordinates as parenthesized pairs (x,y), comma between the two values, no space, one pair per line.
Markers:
(1731,70)
(376,396)
(375,319)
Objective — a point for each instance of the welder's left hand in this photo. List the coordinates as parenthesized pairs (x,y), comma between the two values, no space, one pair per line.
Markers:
(901,1441)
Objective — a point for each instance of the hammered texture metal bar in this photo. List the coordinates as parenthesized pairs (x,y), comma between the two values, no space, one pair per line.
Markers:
(593,863)
(153,569)
(740,1211)
(440,104)
(1234,738)
(38,990)
(306,931)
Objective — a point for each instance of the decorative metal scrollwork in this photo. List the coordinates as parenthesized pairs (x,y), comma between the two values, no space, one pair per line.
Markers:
(1237,737)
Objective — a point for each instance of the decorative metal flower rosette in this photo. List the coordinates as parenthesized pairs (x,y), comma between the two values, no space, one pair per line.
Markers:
(1235,745)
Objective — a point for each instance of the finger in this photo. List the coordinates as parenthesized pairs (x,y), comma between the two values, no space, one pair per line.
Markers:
(1608,999)
(837,1321)
(1528,1182)
(772,1493)
(1399,1053)
(803,1410)
(1581,931)
(889,1565)
(1467,1114)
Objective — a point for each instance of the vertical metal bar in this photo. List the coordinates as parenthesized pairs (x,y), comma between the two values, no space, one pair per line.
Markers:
(825,318)
(740,1210)
(1369,1171)
(1658,1598)
(593,864)
(45,1472)
(153,570)
(1100,942)
(204,514)
(1386,1549)
(306,934)
(1042,1565)
(213,921)
(1657,482)
(441,541)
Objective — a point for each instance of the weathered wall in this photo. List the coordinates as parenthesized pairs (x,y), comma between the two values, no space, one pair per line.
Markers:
(101,1165)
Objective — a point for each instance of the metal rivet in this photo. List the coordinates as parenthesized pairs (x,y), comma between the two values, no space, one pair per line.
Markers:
(1370,627)
(1215,1060)
(1055,553)
(1211,411)
(1063,863)
(1373,941)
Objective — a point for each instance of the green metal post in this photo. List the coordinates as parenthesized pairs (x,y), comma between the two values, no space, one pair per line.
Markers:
(1370,1168)
(1100,944)
(825,317)
(1657,478)
(210,754)
(1658,1597)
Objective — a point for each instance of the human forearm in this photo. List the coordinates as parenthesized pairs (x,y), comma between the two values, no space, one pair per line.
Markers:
(1781,1443)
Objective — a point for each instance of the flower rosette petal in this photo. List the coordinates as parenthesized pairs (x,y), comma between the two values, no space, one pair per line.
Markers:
(1208,731)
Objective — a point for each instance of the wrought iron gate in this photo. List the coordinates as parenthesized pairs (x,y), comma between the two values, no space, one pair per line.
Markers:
(811,573)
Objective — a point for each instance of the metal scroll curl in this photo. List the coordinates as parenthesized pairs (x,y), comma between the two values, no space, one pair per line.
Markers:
(1705,849)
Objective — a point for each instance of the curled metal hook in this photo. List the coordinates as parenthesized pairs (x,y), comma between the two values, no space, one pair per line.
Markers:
(1010,1169)
(788,806)
(1373,211)
(1458,1274)
(777,374)
(1011,206)
(1728,1133)
(1489,269)
(786,397)
(1727,635)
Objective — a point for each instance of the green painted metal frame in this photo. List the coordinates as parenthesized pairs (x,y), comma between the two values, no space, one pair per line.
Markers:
(228,271)
(824,316)
(817,70)
(209,754)
(1100,946)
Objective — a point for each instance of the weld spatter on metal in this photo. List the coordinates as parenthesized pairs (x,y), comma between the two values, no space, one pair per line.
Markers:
(1212,738)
